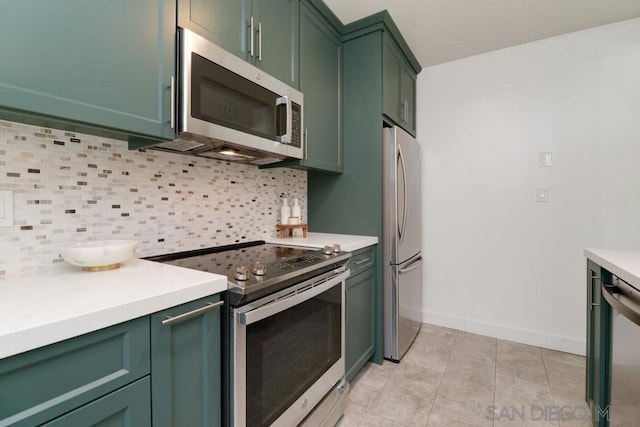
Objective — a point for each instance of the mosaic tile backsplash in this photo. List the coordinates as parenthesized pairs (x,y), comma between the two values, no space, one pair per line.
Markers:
(71,187)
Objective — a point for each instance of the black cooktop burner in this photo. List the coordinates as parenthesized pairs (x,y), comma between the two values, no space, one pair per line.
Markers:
(282,266)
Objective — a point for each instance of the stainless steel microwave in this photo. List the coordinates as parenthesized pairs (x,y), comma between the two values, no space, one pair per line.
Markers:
(228,109)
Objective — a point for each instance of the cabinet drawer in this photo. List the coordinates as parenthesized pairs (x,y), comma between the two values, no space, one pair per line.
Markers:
(362,259)
(129,406)
(42,384)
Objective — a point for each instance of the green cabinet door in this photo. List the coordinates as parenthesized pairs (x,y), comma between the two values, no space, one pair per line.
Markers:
(391,71)
(276,39)
(408,99)
(185,364)
(360,309)
(128,407)
(42,384)
(262,32)
(320,82)
(101,66)
(221,21)
(598,344)
(399,87)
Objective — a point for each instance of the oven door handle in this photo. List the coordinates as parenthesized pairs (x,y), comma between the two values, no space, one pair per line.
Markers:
(275,307)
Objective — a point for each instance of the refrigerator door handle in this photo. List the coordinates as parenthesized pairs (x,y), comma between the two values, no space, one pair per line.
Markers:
(417,262)
(402,225)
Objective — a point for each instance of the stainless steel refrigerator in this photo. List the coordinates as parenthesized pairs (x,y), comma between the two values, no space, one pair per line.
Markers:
(402,241)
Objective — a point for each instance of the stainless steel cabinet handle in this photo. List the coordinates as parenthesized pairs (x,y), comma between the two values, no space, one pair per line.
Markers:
(185,316)
(305,142)
(259,41)
(362,261)
(251,37)
(405,111)
(590,302)
(173,102)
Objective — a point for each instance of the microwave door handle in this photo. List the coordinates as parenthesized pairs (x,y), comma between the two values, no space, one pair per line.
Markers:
(283,103)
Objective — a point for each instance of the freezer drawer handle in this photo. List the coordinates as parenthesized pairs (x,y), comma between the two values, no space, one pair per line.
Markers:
(185,316)
(415,264)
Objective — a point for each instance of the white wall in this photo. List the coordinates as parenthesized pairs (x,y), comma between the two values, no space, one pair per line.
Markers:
(497,262)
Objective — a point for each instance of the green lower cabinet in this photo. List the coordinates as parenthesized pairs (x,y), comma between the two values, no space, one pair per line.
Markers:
(42,384)
(360,309)
(185,365)
(161,370)
(128,407)
(597,390)
(101,66)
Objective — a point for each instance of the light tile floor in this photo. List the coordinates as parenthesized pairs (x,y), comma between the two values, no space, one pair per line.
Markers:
(454,378)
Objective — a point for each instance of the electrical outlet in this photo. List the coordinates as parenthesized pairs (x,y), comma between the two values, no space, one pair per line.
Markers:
(544,159)
(542,194)
(6,208)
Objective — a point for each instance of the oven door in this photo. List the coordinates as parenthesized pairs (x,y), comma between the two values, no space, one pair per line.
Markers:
(288,351)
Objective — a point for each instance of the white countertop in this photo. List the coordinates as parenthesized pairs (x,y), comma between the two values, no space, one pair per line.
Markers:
(347,242)
(64,302)
(624,264)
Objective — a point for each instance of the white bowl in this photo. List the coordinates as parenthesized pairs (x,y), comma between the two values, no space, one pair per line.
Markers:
(100,254)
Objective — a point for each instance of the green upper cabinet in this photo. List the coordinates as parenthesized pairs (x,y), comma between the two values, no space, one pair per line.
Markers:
(320,82)
(101,66)
(399,86)
(275,26)
(265,33)
(221,21)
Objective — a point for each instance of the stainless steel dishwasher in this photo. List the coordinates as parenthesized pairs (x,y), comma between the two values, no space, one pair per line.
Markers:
(624,299)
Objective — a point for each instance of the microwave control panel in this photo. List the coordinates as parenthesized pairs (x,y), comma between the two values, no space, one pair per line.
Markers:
(296,125)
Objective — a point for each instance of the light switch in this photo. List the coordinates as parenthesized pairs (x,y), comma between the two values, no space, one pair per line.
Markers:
(6,208)
(544,159)
(542,194)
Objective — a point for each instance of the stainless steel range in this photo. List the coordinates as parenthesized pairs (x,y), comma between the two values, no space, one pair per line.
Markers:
(283,331)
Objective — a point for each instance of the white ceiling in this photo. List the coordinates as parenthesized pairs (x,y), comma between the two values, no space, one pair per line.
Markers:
(444,30)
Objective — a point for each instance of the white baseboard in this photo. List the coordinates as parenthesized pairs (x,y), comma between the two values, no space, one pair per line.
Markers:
(524,336)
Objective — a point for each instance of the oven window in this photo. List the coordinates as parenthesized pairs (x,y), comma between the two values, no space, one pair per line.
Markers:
(225,98)
(288,352)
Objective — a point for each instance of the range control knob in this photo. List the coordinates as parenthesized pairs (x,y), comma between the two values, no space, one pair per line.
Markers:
(241,274)
(336,248)
(259,269)
(327,250)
